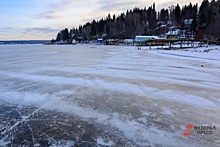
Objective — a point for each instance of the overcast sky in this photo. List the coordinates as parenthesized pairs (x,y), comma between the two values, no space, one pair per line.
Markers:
(41,19)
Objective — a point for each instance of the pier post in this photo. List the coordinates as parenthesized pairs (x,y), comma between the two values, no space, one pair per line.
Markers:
(169,45)
(207,45)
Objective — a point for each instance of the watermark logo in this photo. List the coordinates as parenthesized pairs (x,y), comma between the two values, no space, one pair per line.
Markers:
(188,128)
(206,130)
(202,130)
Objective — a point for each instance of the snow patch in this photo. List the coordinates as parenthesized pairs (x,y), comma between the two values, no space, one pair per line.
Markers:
(183,97)
(101,141)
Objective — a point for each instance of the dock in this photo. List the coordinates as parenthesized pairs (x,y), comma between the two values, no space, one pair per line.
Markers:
(179,43)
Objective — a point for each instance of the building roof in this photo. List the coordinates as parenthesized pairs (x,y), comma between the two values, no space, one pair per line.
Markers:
(175,32)
(188,21)
(145,38)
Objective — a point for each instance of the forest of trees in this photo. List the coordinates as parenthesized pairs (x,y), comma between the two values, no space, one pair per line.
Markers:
(146,21)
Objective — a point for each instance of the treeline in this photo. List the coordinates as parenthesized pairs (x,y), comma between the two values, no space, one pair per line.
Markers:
(146,22)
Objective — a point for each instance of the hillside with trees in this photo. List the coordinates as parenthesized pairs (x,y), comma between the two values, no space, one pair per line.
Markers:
(148,21)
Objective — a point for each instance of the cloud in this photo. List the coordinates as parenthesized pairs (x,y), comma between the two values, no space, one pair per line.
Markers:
(40,30)
(114,5)
(89,18)
(46,15)
(166,3)
(102,9)
(46,18)
(29,33)
(61,9)
(8,29)
(122,5)
(52,11)
(84,11)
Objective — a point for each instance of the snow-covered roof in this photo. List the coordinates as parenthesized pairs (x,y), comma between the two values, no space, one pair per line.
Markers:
(145,38)
(104,35)
(175,32)
(128,40)
(188,21)
(172,27)
(163,26)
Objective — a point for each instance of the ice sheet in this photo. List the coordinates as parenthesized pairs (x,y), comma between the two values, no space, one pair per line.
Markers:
(145,94)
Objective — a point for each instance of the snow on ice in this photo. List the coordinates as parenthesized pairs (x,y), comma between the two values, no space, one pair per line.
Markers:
(87,95)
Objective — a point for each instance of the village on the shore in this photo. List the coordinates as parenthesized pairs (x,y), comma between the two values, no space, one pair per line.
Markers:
(191,24)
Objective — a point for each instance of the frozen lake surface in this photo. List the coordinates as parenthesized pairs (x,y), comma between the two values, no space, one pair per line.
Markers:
(94,95)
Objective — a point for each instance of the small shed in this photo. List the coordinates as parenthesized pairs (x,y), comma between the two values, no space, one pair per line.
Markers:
(99,40)
(144,38)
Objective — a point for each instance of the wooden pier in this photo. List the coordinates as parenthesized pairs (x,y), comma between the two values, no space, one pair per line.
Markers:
(179,43)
